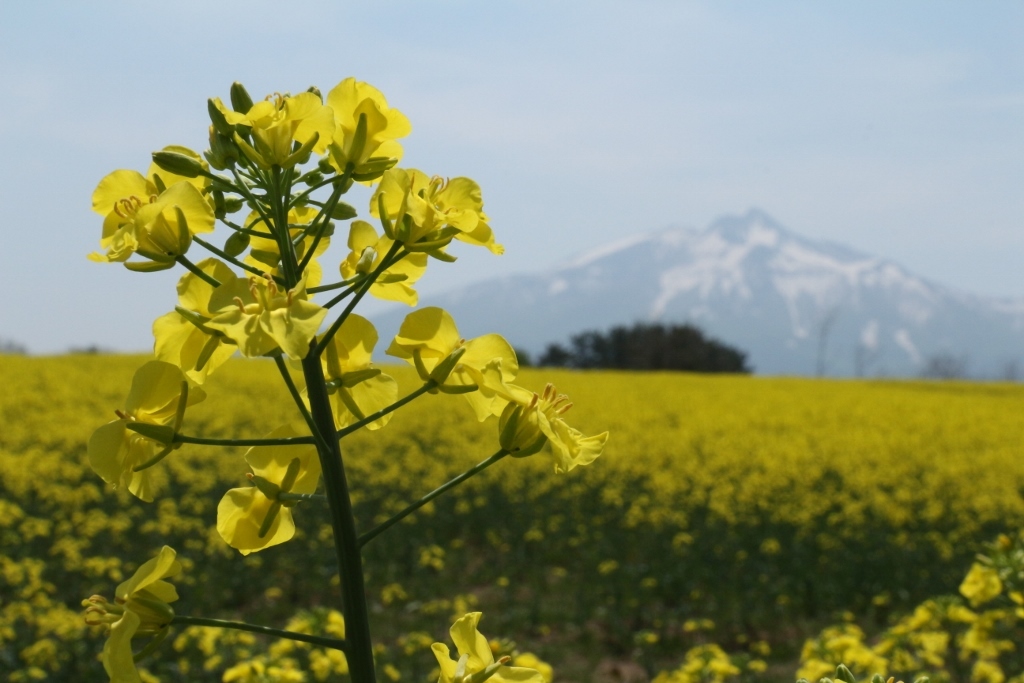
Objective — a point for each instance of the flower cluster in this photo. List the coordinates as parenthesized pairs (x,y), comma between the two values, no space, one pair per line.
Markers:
(289,159)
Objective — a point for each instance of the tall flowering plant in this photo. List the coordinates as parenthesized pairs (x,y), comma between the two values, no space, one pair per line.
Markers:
(274,176)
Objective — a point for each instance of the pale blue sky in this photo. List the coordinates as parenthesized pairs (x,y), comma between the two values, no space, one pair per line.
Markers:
(896,128)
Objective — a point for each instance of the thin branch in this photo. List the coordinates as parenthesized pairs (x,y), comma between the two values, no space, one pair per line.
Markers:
(384,526)
(333,643)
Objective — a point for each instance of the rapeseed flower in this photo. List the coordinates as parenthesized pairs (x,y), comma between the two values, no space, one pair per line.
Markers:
(260,317)
(394,283)
(423,207)
(141,607)
(356,388)
(365,128)
(145,215)
(476,661)
(981,584)
(530,420)
(156,403)
(182,338)
(428,337)
(276,123)
(251,518)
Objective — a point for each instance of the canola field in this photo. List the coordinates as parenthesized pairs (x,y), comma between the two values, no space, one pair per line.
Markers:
(743,511)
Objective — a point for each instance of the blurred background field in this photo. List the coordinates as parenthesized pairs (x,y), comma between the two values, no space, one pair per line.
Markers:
(743,511)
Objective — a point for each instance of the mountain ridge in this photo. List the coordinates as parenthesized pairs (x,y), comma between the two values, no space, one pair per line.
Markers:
(797,305)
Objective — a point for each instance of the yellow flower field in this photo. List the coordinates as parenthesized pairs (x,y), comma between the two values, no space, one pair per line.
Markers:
(742,511)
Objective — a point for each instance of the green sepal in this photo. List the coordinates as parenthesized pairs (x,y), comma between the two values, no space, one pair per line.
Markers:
(350,379)
(240,100)
(490,670)
(421,369)
(349,402)
(358,138)
(251,153)
(220,124)
(428,246)
(507,432)
(845,675)
(457,389)
(161,186)
(266,487)
(197,320)
(269,258)
(153,644)
(207,352)
(373,168)
(154,460)
(163,434)
(179,164)
(148,266)
(301,155)
(391,278)
(236,243)
(532,449)
(877,678)
(316,91)
(155,256)
(441,371)
(275,507)
(385,219)
(184,235)
(442,256)
(291,474)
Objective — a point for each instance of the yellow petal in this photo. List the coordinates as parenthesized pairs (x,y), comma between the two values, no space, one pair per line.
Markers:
(117,651)
(241,513)
(107,448)
(431,331)
(120,185)
(470,641)
(162,566)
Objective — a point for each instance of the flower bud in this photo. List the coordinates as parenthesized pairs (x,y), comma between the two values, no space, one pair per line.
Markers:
(240,100)
(845,675)
(236,244)
(220,123)
(179,164)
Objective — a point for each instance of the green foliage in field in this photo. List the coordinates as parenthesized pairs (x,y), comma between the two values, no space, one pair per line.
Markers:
(761,504)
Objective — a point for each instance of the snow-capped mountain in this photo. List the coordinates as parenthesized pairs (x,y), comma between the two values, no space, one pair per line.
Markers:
(797,306)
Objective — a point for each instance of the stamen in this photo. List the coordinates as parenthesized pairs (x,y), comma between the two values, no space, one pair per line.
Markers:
(564,409)
(533,401)
(238,302)
(121,415)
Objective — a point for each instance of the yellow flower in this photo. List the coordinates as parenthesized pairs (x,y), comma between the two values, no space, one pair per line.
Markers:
(260,317)
(146,215)
(395,283)
(531,420)
(528,660)
(357,389)
(352,100)
(278,122)
(429,336)
(476,661)
(422,207)
(265,253)
(155,404)
(251,518)
(140,607)
(981,584)
(186,341)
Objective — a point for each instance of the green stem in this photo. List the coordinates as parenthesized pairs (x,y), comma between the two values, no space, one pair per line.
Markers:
(277,441)
(230,259)
(312,188)
(245,192)
(194,269)
(248,231)
(355,426)
(333,643)
(336,285)
(360,291)
(346,539)
(297,397)
(287,495)
(476,469)
(323,216)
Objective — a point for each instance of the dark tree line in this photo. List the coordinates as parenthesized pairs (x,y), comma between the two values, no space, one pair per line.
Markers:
(647,347)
